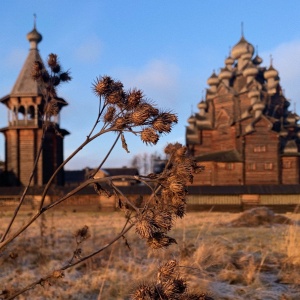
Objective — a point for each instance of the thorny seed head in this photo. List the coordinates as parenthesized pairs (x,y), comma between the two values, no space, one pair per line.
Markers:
(120,123)
(161,126)
(166,195)
(116,86)
(144,228)
(160,240)
(110,114)
(171,148)
(56,69)
(45,76)
(65,76)
(116,97)
(102,85)
(163,220)
(177,186)
(179,210)
(82,234)
(52,60)
(49,82)
(169,117)
(143,292)
(173,287)
(183,173)
(180,152)
(149,136)
(134,97)
(53,63)
(149,108)
(166,270)
(139,116)
(37,66)
(55,80)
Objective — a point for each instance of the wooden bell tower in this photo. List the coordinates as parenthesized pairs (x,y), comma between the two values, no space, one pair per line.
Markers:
(24,131)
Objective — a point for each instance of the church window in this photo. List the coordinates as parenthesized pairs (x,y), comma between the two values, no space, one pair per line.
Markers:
(268,166)
(287,164)
(30,112)
(229,166)
(260,148)
(252,166)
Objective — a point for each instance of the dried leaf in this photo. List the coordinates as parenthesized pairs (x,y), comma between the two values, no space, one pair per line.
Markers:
(124,144)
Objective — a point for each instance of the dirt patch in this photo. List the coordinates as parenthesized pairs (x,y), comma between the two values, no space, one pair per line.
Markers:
(260,216)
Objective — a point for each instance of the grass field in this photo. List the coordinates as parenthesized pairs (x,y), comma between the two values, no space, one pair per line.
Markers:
(216,255)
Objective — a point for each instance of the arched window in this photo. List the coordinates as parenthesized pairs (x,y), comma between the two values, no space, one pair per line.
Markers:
(30,112)
(21,113)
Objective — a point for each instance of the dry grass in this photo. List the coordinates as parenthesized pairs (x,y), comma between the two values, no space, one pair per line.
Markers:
(230,262)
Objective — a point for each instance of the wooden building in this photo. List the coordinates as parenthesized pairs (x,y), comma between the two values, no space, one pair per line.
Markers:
(23,133)
(244,132)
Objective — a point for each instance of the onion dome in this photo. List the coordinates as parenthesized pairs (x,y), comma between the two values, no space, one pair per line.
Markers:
(34,37)
(258,106)
(249,128)
(251,70)
(213,79)
(257,60)
(229,61)
(242,47)
(271,73)
(292,118)
(283,133)
(191,119)
(247,56)
(202,105)
(254,93)
(225,74)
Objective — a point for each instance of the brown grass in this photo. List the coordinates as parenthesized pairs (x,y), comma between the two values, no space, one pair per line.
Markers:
(227,261)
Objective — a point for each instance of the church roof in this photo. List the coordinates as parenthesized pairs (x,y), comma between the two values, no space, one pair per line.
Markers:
(221,156)
(25,85)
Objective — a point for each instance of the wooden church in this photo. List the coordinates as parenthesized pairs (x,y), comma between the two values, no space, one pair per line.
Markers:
(244,133)
(23,133)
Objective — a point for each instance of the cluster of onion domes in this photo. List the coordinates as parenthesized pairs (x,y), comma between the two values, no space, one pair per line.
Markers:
(259,83)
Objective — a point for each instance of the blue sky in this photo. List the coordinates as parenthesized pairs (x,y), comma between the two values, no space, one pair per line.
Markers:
(168,48)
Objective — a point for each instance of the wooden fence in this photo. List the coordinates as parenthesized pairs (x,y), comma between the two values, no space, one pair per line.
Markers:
(234,203)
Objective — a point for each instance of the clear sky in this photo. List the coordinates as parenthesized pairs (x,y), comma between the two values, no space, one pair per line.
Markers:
(167,48)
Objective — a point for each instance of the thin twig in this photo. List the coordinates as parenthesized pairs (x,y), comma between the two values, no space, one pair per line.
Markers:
(100,111)
(25,190)
(106,156)
(87,141)
(71,193)
(70,265)
(126,199)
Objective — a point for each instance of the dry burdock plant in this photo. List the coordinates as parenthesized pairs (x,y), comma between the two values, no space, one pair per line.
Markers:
(121,112)
(168,285)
